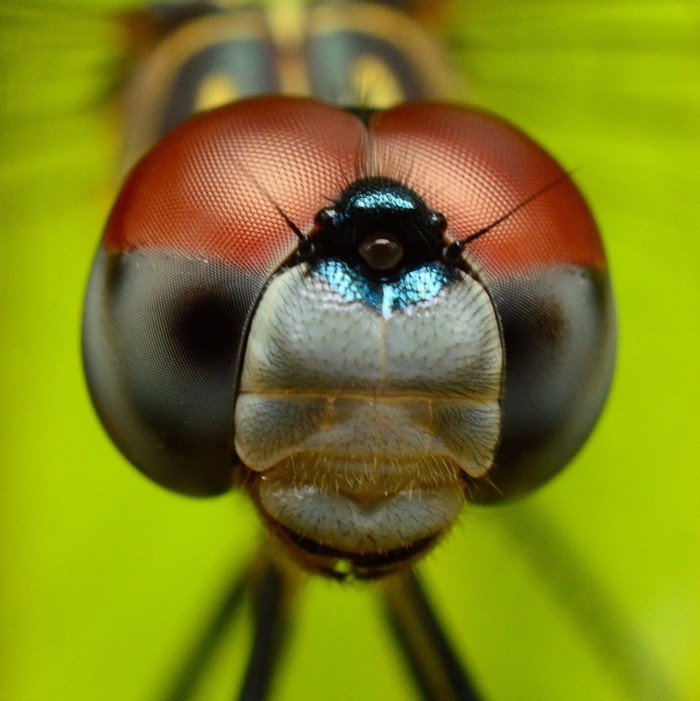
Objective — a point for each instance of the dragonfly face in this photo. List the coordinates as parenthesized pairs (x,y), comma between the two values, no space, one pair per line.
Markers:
(361,317)
(367,369)
(361,320)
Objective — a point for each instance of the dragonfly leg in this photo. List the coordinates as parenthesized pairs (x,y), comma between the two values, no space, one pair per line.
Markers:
(272,590)
(184,684)
(433,663)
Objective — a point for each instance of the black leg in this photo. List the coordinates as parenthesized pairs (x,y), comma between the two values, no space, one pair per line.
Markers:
(184,685)
(433,663)
(272,591)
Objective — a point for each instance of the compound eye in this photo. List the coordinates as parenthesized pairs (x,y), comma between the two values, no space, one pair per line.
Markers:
(381,251)
(162,336)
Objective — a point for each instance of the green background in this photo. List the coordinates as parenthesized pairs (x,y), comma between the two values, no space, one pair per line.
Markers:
(591,588)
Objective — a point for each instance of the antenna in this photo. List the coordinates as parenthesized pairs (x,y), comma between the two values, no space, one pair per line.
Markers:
(510,213)
(306,247)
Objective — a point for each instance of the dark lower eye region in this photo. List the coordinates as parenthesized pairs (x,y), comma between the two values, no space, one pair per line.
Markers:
(205,327)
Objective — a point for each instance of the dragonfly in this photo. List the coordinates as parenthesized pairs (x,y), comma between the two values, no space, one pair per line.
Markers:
(390,310)
(272,583)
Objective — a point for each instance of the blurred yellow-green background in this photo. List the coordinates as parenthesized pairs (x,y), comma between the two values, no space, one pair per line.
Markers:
(591,588)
